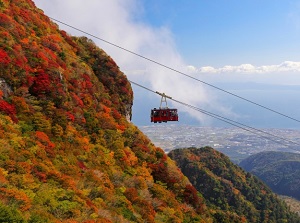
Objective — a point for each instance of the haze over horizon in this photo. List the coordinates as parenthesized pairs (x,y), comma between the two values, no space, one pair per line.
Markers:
(238,46)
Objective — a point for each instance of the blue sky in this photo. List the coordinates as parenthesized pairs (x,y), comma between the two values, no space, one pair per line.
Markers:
(219,33)
(238,45)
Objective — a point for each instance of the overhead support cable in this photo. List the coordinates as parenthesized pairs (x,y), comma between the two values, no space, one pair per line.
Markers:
(177,71)
(226,120)
(231,122)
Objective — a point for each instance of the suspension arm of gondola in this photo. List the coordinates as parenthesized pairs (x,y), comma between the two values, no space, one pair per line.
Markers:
(163,95)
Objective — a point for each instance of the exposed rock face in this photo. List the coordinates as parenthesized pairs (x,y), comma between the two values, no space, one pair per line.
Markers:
(5,88)
(128,112)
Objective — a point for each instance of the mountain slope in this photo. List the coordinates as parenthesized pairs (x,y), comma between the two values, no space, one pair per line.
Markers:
(279,170)
(68,152)
(234,195)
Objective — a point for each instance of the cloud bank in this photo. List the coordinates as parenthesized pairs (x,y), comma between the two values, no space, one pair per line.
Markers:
(287,66)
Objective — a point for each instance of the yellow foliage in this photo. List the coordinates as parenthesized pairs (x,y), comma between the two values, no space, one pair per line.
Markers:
(57,130)
(3,174)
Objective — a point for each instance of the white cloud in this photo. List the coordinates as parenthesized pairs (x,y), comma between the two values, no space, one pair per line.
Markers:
(207,69)
(117,22)
(191,69)
(287,66)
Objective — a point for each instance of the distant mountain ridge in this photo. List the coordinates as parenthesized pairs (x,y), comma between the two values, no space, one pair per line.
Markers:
(236,196)
(279,170)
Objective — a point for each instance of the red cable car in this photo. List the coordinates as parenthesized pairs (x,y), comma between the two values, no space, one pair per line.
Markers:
(163,114)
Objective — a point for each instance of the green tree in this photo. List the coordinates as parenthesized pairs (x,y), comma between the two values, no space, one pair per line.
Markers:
(10,215)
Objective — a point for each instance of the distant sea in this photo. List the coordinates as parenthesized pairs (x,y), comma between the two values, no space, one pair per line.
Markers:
(281,98)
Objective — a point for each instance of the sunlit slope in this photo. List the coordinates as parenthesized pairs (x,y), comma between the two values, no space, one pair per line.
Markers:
(68,152)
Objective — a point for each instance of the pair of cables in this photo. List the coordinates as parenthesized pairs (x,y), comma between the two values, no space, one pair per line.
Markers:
(260,133)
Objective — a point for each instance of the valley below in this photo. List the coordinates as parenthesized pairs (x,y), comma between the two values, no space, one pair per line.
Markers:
(233,142)
(236,143)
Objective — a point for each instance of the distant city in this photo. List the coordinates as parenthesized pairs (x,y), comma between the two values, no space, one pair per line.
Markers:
(233,142)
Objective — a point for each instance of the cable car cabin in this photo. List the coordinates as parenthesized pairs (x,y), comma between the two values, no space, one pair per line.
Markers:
(163,115)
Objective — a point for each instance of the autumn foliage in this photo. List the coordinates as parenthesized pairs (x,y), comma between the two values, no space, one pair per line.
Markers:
(68,152)
(8,109)
(235,195)
(4,58)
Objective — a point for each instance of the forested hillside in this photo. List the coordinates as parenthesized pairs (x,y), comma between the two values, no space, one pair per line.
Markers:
(234,195)
(279,170)
(68,152)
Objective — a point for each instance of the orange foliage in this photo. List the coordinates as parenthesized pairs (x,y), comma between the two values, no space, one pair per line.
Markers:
(4,35)
(235,191)
(42,136)
(121,127)
(105,109)
(3,179)
(130,159)
(25,167)
(77,100)
(193,157)
(147,212)
(61,146)
(131,194)
(18,196)
(25,41)
(45,141)
(20,103)
(68,182)
(243,219)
